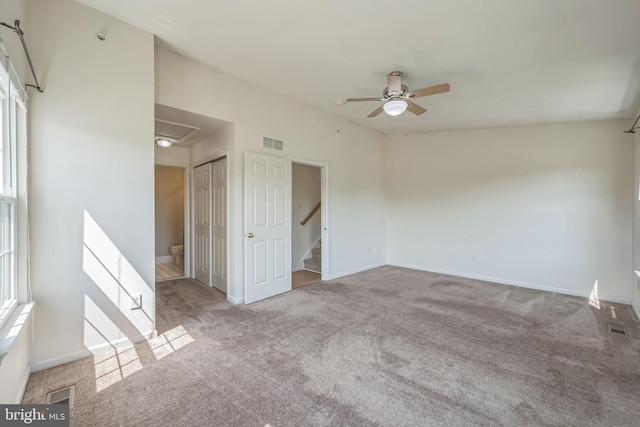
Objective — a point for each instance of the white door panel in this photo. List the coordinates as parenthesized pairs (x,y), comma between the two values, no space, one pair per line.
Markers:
(202,223)
(267,226)
(219,224)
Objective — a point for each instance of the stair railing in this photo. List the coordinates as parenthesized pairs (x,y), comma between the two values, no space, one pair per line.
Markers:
(313,211)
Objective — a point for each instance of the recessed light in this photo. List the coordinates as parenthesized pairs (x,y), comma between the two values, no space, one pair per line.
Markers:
(340,102)
(164,143)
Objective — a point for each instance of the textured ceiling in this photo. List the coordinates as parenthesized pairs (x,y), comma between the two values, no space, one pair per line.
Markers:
(509,62)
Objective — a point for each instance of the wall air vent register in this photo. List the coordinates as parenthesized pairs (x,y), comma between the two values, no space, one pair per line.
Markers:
(272,143)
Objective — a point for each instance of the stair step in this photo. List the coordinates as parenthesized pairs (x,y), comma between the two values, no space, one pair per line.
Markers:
(316,251)
(312,264)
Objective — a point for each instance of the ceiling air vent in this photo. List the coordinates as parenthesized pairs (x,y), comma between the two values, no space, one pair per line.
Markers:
(272,143)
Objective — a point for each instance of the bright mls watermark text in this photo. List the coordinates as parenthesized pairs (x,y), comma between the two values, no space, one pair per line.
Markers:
(34,415)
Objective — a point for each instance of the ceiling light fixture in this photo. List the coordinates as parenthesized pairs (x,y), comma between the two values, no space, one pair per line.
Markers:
(164,143)
(395,107)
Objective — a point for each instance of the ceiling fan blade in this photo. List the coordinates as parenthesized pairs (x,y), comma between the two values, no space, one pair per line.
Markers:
(394,81)
(433,90)
(376,112)
(415,108)
(361,99)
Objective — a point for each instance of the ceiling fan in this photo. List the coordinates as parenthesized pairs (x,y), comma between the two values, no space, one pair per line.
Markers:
(398,98)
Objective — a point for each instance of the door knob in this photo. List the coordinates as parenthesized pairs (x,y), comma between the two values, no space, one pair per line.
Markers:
(250,235)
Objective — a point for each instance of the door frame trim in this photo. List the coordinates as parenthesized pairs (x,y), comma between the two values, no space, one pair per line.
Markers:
(325,204)
(187,213)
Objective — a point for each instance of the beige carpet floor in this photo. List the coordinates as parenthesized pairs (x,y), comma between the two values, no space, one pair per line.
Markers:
(386,347)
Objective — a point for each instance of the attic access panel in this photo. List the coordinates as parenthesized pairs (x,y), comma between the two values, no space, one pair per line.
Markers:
(174,131)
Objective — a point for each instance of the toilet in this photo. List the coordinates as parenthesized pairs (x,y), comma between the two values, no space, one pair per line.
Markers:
(178,252)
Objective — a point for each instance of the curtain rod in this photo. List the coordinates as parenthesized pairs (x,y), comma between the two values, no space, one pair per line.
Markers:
(633,127)
(20,34)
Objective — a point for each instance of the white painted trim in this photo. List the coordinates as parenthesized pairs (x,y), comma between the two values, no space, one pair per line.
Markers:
(635,286)
(56,361)
(509,282)
(235,300)
(187,214)
(356,270)
(172,164)
(218,156)
(102,348)
(186,237)
(191,230)
(324,214)
(12,327)
(165,259)
(229,157)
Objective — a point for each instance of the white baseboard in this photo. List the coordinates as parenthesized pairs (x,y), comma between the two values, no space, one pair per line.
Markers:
(235,300)
(356,270)
(56,361)
(165,259)
(102,348)
(23,386)
(510,282)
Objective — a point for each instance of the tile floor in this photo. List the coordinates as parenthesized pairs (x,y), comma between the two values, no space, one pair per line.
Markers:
(168,271)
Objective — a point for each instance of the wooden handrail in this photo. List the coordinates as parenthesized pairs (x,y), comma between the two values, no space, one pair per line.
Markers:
(314,210)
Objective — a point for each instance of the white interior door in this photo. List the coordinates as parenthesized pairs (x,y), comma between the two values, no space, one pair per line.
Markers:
(267,199)
(219,224)
(202,223)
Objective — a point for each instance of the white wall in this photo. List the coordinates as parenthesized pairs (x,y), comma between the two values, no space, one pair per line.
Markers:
(91,180)
(169,208)
(14,368)
(176,156)
(541,206)
(305,195)
(221,144)
(635,266)
(355,157)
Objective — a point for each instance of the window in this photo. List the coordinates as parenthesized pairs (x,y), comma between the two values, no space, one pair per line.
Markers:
(9,102)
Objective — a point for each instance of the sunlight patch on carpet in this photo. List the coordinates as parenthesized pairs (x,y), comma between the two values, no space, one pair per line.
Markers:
(169,342)
(114,366)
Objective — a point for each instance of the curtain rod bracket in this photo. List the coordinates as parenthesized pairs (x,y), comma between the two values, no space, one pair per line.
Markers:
(16,29)
(633,126)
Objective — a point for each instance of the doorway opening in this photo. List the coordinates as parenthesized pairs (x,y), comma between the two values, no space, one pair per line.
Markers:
(306,233)
(169,222)
(269,219)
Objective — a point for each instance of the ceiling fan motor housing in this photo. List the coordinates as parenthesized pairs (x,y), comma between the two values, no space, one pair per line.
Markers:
(393,95)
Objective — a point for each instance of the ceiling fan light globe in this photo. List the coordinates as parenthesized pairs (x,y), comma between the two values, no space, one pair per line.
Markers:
(395,107)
